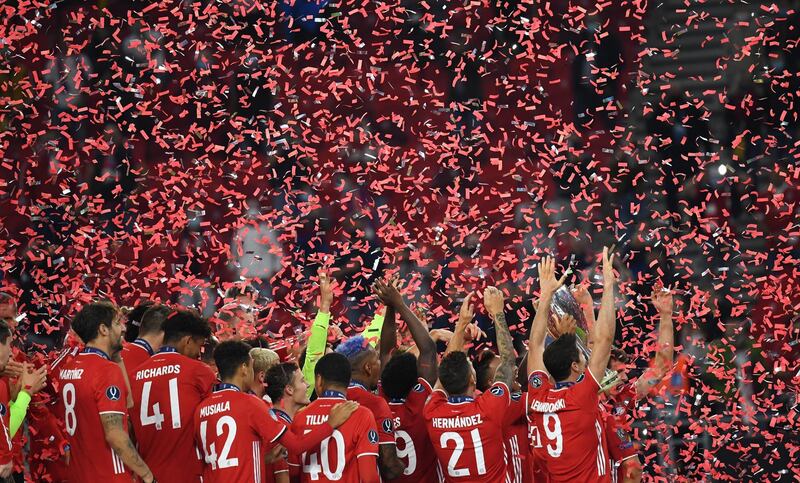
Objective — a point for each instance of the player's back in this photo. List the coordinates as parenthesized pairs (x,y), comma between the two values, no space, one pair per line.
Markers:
(567,430)
(135,354)
(167,388)
(467,434)
(413,443)
(91,385)
(337,457)
(379,408)
(234,429)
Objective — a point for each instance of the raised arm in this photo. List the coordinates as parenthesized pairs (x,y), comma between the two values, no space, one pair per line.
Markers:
(117,437)
(427,361)
(388,340)
(548,285)
(465,315)
(664,357)
(494,303)
(603,332)
(583,297)
(319,329)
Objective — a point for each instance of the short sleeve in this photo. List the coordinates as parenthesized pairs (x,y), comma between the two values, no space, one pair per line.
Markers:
(539,382)
(620,446)
(204,379)
(516,409)
(366,435)
(110,391)
(418,395)
(384,419)
(495,401)
(265,423)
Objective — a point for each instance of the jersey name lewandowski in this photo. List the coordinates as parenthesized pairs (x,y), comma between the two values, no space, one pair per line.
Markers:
(567,429)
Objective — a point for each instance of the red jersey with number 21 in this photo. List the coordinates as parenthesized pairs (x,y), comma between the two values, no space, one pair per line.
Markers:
(467,434)
(567,429)
(91,385)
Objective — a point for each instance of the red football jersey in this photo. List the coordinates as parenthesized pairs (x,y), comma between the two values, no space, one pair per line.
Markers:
(6,448)
(337,457)
(91,385)
(384,420)
(233,430)
(567,429)
(413,444)
(167,388)
(282,465)
(134,354)
(620,446)
(517,445)
(467,434)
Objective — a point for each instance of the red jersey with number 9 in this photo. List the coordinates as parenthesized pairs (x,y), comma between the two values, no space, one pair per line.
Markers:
(414,446)
(167,388)
(337,457)
(567,429)
(232,429)
(91,385)
(467,434)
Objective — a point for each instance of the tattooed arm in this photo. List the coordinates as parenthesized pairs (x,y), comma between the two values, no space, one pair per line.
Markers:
(493,300)
(118,439)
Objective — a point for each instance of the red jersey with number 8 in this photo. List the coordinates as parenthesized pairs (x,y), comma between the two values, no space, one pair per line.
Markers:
(567,429)
(91,385)
(467,434)
(167,389)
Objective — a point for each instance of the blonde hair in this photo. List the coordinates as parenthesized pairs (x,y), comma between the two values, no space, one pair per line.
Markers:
(263,359)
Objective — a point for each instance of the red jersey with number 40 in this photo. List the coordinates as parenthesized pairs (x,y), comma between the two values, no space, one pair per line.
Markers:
(91,385)
(567,429)
(413,444)
(167,389)
(467,434)
(337,457)
(232,429)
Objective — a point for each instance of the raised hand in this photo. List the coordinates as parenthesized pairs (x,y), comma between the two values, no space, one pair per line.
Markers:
(547,276)
(566,325)
(608,268)
(388,293)
(662,299)
(493,301)
(33,380)
(325,291)
(467,311)
(582,295)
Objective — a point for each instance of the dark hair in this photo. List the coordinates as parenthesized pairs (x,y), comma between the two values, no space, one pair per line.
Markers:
(277,378)
(619,355)
(333,368)
(134,320)
(181,323)
(559,356)
(454,373)
(399,375)
(482,363)
(229,355)
(152,321)
(5,332)
(91,316)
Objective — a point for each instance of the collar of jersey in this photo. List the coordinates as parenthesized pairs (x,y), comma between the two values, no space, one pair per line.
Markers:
(167,348)
(333,394)
(358,384)
(96,351)
(224,386)
(564,384)
(460,399)
(282,414)
(144,345)
(396,400)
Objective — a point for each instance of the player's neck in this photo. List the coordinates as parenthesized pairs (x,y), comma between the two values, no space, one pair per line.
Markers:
(152,340)
(236,381)
(289,407)
(335,387)
(360,380)
(101,345)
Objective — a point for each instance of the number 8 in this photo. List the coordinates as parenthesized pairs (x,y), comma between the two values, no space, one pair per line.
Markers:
(71,420)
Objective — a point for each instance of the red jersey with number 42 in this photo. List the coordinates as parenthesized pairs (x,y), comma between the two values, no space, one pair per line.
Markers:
(232,429)
(413,444)
(467,434)
(337,457)
(567,429)
(91,385)
(167,389)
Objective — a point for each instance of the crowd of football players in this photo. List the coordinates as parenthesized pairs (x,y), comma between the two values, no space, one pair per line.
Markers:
(182,404)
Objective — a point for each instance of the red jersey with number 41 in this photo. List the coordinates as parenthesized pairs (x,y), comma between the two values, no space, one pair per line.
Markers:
(167,388)
(91,385)
(338,457)
(232,428)
(568,430)
(467,434)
